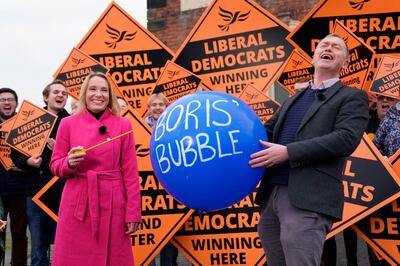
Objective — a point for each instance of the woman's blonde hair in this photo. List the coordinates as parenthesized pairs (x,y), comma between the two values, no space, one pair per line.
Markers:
(112,103)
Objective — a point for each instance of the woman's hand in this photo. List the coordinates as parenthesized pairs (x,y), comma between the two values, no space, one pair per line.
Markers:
(75,156)
(132,227)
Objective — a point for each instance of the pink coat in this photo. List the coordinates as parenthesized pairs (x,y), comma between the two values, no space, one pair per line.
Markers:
(100,196)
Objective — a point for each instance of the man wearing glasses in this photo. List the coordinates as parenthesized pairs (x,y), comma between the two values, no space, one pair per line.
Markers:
(12,189)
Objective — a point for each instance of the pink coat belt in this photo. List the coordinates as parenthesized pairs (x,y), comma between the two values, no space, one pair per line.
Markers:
(90,196)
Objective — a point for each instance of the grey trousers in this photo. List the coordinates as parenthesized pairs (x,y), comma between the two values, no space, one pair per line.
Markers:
(291,236)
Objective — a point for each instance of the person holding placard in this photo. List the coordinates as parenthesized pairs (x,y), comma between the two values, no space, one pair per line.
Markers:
(100,205)
(156,105)
(12,189)
(41,226)
(311,136)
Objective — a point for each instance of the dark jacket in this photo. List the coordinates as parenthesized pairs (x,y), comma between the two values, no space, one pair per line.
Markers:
(329,132)
(37,178)
(11,182)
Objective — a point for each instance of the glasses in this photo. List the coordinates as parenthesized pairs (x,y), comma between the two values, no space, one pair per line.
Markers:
(10,100)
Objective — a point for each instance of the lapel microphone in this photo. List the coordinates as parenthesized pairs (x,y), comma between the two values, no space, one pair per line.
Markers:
(320,95)
(102,130)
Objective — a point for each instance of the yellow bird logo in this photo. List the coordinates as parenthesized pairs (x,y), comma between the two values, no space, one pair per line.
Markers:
(118,36)
(231,17)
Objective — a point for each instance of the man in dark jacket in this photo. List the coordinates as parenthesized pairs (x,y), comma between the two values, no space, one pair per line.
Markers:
(12,189)
(41,225)
(311,136)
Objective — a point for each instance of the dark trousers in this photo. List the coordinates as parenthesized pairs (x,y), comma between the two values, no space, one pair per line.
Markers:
(169,255)
(43,230)
(15,206)
(291,236)
(329,253)
(350,244)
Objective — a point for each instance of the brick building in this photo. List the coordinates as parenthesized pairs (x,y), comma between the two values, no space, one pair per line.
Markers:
(172,20)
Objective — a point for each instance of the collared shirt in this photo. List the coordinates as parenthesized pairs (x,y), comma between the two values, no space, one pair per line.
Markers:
(324,85)
(150,120)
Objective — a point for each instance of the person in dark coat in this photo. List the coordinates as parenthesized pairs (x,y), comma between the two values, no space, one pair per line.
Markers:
(12,189)
(42,227)
(311,136)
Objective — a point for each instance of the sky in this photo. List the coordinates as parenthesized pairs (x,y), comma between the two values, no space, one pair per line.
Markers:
(36,36)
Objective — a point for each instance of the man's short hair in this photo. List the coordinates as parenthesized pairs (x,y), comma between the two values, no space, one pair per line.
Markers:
(159,96)
(46,90)
(340,37)
(4,90)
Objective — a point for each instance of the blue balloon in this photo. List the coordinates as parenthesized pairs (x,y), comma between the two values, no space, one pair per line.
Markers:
(200,150)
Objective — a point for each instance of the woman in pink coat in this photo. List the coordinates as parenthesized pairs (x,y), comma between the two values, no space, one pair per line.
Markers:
(100,205)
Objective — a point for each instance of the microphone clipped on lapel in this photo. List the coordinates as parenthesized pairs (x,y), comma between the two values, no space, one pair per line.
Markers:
(319,94)
(102,130)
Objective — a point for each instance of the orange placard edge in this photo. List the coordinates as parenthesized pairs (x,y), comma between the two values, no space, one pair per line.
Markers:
(255,6)
(104,13)
(374,246)
(362,43)
(301,54)
(367,212)
(37,200)
(310,14)
(376,73)
(47,136)
(172,232)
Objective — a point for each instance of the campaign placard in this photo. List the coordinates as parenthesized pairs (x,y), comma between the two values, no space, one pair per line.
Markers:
(176,82)
(31,129)
(162,215)
(226,237)
(75,69)
(375,22)
(369,183)
(235,43)
(297,66)
(381,229)
(5,149)
(260,103)
(133,55)
(360,58)
(387,78)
